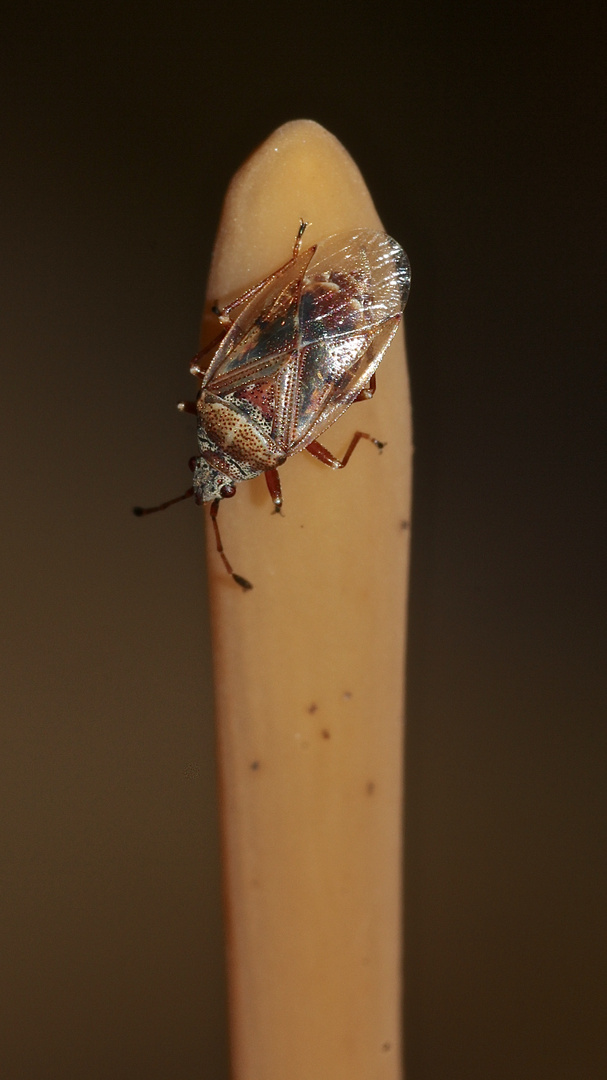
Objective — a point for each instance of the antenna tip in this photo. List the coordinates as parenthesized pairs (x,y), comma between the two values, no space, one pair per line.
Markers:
(244,584)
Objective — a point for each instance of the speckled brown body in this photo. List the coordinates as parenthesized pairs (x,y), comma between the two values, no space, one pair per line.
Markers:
(301,346)
(305,343)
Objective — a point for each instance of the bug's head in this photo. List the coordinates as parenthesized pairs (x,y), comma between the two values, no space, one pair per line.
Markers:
(209,483)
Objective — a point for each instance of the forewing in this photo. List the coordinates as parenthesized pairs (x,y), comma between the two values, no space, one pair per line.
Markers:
(304,346)
(379,268)
(263,335)
(353,295)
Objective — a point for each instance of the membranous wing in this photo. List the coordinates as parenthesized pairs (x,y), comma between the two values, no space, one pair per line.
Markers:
(264,335)
(351,301)
(312,335)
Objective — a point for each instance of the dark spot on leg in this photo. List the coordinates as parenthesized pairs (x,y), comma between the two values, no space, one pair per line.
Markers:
(370,788)
(347,695)
(312,708)
(386,1046)
(325,733)
(254,766)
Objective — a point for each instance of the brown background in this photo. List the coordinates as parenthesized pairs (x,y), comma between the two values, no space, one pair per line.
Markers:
(477,128)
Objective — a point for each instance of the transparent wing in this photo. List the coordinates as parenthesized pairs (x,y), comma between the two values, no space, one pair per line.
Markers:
(368,266)
(309,340)
(265,333)
(352,300)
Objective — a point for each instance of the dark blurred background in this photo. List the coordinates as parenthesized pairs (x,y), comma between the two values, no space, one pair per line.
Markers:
(479,130)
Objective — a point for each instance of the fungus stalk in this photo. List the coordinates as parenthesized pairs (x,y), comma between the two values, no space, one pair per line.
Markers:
(309,681)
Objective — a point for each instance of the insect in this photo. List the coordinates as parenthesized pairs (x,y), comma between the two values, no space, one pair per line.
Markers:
(294,351)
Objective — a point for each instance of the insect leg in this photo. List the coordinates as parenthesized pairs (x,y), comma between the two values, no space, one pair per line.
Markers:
(195,366)
(244,584)
(367,391)
(303,225)
(327,458)
(223,314)
(273,482)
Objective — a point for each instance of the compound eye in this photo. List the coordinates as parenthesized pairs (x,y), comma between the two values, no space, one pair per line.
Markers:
(227,491)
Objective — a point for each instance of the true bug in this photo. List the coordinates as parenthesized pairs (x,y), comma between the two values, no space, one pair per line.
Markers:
(294,351)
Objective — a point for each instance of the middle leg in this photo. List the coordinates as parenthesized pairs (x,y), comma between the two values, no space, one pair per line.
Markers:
(273,482)
(319,451)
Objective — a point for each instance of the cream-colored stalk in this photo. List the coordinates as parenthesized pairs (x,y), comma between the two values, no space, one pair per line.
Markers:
(309,671)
